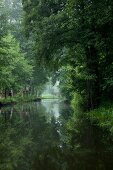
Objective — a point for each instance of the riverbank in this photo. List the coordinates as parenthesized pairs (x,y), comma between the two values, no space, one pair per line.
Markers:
(103,116)
(99,121)
(17,99)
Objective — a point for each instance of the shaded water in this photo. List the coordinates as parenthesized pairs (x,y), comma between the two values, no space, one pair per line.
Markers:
(43,136)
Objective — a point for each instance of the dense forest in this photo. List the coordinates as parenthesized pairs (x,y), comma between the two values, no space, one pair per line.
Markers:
(64,42)
(70,41)
(74,39)
(18,69)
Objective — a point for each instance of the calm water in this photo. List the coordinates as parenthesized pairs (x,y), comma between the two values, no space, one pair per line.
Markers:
(43,136)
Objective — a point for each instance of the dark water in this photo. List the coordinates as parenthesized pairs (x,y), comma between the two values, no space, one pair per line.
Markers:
(45,136)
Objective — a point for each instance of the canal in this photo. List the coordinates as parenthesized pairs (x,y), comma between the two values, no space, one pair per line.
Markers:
(43,136)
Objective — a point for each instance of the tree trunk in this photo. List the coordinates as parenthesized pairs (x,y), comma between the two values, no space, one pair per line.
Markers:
(5,93)
(93,83)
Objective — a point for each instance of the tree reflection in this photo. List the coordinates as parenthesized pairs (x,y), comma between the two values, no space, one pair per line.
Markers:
(28,141)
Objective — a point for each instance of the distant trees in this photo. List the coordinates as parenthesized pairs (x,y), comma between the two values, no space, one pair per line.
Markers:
(3,20)
(18,68)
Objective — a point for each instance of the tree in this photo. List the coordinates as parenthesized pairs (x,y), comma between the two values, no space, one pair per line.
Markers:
(3,20)
(80,26)
(15,70)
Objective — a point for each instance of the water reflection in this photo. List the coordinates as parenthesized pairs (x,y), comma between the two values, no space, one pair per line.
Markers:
(45,136)
(52,107)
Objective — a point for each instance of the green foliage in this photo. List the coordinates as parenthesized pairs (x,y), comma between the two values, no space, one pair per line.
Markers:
(18,67)
(77,34)
(66,86)
(3,20)
(103,116)
(19,99)
(77,102)
(14,68)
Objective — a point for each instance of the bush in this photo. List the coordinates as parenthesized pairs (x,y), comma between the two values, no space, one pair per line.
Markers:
(77,102)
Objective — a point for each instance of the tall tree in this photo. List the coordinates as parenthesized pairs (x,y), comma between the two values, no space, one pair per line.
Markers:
(15,70)
(79,26)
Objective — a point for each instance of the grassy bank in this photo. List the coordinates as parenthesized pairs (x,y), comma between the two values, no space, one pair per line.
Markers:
(90,130)
(19,99)
(16,99)
(103,116)
(49,97)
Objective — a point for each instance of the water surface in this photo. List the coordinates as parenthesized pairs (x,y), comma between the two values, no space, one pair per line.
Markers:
(43,136)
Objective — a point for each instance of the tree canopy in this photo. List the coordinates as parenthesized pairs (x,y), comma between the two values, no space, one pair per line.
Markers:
(76,33)
(18,67)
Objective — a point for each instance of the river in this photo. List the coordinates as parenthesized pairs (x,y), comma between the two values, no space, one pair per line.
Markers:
(43,136)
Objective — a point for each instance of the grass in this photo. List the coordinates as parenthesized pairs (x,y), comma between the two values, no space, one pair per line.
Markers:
(8,100)
(49,97)
(20,99)
(103,116)
(16,99)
